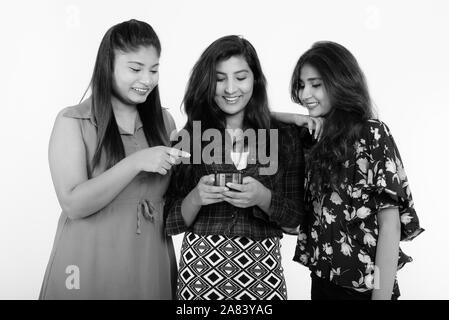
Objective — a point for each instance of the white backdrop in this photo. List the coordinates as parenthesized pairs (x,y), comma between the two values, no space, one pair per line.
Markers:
(47,55)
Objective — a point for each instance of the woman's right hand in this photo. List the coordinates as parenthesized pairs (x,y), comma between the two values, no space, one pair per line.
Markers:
(312,123)
(206,193)
(158,159)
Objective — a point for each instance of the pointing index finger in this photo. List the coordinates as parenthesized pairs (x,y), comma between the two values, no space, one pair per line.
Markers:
(178,153)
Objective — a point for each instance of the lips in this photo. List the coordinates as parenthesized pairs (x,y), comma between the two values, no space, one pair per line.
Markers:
(311,105)
(231,100)
(140,90)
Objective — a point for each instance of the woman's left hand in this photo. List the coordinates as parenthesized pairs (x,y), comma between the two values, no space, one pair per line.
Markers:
(250,193)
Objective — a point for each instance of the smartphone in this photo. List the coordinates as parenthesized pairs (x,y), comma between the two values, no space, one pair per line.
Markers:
(221,178)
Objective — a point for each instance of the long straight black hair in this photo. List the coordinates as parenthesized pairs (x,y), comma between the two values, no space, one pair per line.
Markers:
(199,103)
(126,36)
(351,106)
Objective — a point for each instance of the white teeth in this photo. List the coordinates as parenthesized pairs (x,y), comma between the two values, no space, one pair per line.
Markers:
(140,90)
(312,105)
(231,100)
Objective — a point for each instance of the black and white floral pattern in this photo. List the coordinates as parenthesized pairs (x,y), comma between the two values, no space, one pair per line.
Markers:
(338,241)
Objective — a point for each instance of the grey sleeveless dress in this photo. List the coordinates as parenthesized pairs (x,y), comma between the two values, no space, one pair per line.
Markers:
(121,251)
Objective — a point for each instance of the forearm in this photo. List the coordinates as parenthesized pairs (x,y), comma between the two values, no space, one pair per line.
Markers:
(265,200)
(284,211)
(275,207)
(293,118)
(387,256)
(94,194)
(189,208)
(286,200)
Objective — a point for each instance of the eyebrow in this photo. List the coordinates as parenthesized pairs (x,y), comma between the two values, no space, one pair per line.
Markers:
(244,70)
(314,78)
(141,64)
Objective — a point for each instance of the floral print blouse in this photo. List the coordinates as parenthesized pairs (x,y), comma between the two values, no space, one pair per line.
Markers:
(338,240)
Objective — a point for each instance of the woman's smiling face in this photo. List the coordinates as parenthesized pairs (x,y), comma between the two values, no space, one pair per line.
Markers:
(234,85)
(312,93)
(136,74)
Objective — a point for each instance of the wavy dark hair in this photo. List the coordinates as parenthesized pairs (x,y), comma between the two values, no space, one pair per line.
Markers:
(126,36)
(351,106)
(199,103)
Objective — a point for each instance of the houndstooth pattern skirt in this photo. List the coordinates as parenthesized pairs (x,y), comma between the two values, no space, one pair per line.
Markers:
(216,267)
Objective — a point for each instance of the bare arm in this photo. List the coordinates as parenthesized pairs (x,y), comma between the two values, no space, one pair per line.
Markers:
(79,196)
(387,253)
(292,118)
(189,208)
(301,120)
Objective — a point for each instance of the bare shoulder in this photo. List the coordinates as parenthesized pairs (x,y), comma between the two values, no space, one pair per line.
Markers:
(63,123)
(66,146)
(67,126)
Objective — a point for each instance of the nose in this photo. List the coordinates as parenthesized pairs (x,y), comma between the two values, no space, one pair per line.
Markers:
(304,93)
(230,87)
(145,79)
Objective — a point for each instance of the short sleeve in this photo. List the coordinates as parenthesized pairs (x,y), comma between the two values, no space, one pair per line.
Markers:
(386,179)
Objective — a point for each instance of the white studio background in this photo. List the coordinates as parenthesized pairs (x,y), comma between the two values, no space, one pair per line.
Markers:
(47,55)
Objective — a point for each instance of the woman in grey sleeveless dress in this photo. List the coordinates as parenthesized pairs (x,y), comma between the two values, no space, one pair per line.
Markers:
(110,165)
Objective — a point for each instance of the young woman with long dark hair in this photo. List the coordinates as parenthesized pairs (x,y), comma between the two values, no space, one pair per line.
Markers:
(109,161)
(231,246)
(358,200)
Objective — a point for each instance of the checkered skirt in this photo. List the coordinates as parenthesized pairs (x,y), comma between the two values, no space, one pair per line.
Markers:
(216,267)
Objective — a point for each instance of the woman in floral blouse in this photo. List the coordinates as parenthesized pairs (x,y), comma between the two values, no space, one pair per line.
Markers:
(358,201)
